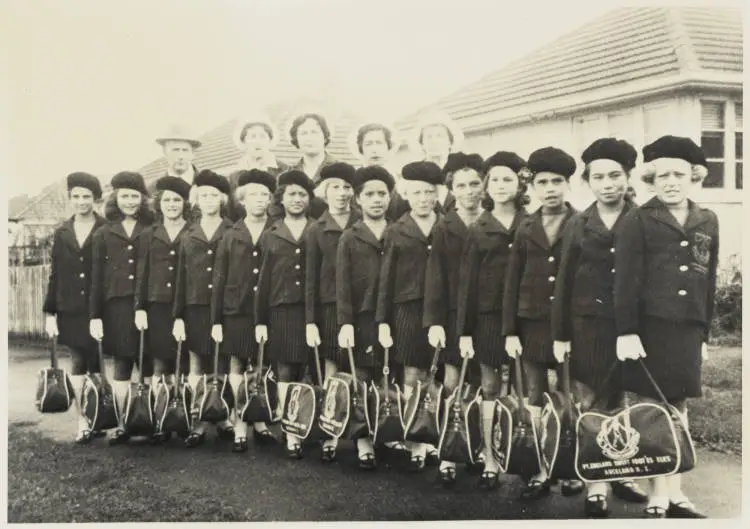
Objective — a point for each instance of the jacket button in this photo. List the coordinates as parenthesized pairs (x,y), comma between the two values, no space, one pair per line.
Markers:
(612,250)
(255,288)
(613,270)
(81,259)
(169,285)
(210,285)
(510,245)
(684,243)
(130,261)
(296,267)
(171,252)
(82,275)
(296,283)
(208,269)
(551,259)
(130,246)
(682,292)
(171,268)
(83,292)
(297,250)
(429,247)
(131,276)
(683,268)
(551,279)
(210,252)
(255,270)
(255,254)
(552,298)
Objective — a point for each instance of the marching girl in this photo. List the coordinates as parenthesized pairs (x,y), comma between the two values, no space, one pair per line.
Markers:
(114,253)
(583,312)
(400,305)
(66,304)
(280,298)
(463,177)
(358,262)
(235,278)
(156,276)
(529,289)
(666,259)
(481,283)
(192,301)
(322,239)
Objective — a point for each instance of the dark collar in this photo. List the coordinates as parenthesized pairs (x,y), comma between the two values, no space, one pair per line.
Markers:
(594,223)
(362,232)
(408,227)
(196,232)
(69,235)
(330,224)
(488,223)
(454,224)
(658,210)
(117,229)
(537,233)
(281,230)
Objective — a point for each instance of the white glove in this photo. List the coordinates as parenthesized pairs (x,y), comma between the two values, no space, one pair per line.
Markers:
(96,329)
(704,351)
(436,336)
(141,320)
(513,346)
(178,330)
(312,335)
(560,349)
(261,333)
(384,335)
(346,336)
(217,333)
(50,325)
(629,347)
(466,346)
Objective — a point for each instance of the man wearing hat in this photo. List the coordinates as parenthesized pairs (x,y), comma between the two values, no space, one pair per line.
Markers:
(179,146)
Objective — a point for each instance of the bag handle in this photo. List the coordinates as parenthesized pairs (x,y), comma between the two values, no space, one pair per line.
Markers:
(350,352)
(518,383)
(216,360)
(656,386)
(140,357)
(433,366)
(386,372)
(566,385)
(317,366)
(53,353)
(460,386)
(102,369)
(177,372)
(261,351)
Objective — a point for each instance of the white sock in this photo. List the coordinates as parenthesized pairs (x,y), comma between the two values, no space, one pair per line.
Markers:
(364,446)
(536,415)
(77,382)
(120,390)
(282,388)
(488,414)
(260,427)
(659,493)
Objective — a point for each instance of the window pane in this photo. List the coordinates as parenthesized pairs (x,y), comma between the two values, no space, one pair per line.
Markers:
(738,116)
(712,115)
(738,176)
(712,144)
(738,145)
(715,176)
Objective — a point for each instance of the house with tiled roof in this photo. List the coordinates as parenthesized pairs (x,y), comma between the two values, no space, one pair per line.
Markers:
(635,73)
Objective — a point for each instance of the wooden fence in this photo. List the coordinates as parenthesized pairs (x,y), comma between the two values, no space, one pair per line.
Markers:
(27,286)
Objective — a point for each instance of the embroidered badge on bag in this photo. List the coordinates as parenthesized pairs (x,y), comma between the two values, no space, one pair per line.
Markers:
(617,439)
(701,251)
(294,404)
(330,404)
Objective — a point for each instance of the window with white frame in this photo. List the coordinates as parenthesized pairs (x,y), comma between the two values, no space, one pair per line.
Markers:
(721,141)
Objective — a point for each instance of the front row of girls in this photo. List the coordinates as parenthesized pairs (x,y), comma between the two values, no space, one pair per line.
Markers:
(616,282)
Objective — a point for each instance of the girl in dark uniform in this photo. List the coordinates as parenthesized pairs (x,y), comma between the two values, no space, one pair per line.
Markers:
(280,299)
(666,259)
(529,289)
(112,300)
(235,279)
(320,270)
(583,313)
(156,275)
(192,300)
(66,304)
(408,243)
(463,177)
(357,275)
(481,283)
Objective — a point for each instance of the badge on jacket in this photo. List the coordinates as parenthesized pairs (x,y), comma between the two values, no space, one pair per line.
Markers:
(701,251)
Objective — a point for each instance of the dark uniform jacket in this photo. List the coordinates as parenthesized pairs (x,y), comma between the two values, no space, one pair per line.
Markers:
(282,270)
(532,272)
(443,267)
(323,238)
(195,266)
(156,275)
(664,269)
(358,261)
(587,271)
(236,273)
(300,166)
(70,270)
(402,271)
(484,266)
(114,257)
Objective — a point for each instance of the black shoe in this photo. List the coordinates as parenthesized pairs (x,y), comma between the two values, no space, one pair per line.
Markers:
(225,433)
(119,437)
(240,445)
(655,512)
(195,439)
(433,457)
(596,506)
(367,461)
(416,464)
(488,480)
(294,452)
(264,437)
(159,438)
(447,476)
(98,433)
(571,487)
(683,509)
(476,467)
(535,490)
(328,454)
(629,491)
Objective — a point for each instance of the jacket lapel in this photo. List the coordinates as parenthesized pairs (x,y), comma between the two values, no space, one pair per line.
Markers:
(659,212)
(409,228)
(454,224)
(281,230)
(536,231)
(364,234)
(559,235)
(696,216)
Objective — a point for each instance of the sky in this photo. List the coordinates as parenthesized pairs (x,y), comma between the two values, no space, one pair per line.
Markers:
(92,83)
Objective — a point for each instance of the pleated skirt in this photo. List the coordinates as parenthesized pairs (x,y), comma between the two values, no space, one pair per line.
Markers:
(161,343)
(594,352)
(198,329)
(329,332)
(367,351)
(239,337)
(450,354)
(489,342)
(74,332)
(536,340)
(410,345)
(120,335)
(286,334)
(673,357)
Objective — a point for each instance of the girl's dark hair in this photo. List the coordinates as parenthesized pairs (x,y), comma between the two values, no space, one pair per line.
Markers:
(278,195)
(248,126)
(113,214)
(299,120)
(519,201)
(371,128)
(629,192)
(157,207)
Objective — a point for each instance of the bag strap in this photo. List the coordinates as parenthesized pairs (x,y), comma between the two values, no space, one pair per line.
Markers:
(653,383)
(261,351)
(317,366)
(566,385)
(216,360)
(518,383)
(140,357)
(461,379)
(386,372)
(433,366)
(102,369)
(605,384)
(53,353)
(350,352)
(178,361)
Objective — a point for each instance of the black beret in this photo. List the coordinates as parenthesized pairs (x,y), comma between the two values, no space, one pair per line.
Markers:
(174,184)
(552,160)
(674,147)
(428,172)
(505,159)
(340,170)
(256,176)
(297,177)
(459,160)
(85,180)
(619,151)
(208,178)
(372,172)
(129,180)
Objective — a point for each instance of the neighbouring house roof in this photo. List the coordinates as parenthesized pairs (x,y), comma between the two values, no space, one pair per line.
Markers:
(625,52)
